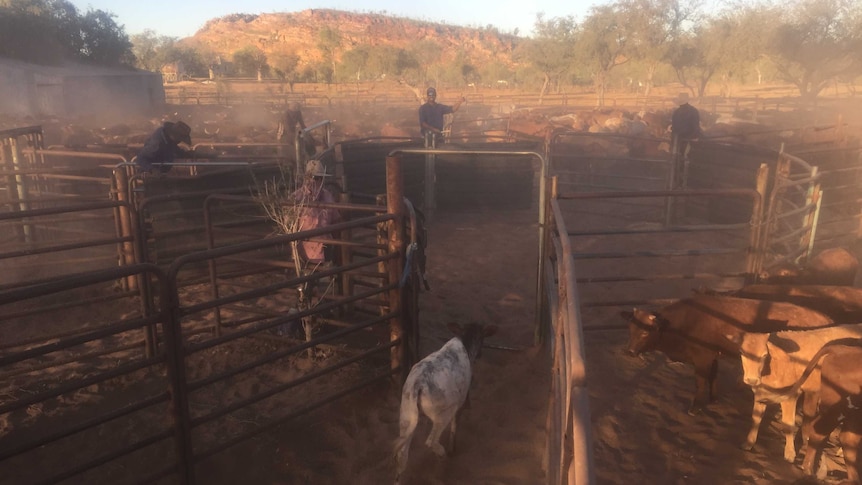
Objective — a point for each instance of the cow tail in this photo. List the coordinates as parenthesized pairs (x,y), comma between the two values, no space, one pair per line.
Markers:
(409,419)
(815,361)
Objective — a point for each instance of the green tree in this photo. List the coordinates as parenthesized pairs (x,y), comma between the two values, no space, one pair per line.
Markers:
(496,71)
(149,49)
(53,30)
(194,62)
(285,67)
(250,61)
(104,42)
(427,53)
(604,44)
(654,25)
(329,42)
(551,50)
(353,64)
(815,42)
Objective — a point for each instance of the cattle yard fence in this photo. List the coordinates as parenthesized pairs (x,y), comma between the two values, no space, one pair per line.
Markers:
(194,271)
(200,273)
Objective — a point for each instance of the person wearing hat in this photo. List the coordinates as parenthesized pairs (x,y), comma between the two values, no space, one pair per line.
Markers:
(431,113)
(162,147)
(685,124)
(314,190)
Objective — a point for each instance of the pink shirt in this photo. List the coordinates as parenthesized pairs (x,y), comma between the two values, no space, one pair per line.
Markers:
(314,217)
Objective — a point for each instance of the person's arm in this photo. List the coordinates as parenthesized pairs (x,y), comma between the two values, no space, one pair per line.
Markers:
(458,104)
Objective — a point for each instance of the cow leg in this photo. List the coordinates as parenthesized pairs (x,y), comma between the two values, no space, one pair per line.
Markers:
(850,437)
(757,411)
(810,401)
(440,422)
(452,433)
(704,375)
(788,420)
(818,431)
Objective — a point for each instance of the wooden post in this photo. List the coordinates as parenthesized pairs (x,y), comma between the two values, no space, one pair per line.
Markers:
(755,251)
(395,206)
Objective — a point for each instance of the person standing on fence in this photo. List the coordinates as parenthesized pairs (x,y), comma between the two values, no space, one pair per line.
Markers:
(162,147)
(685,125)
(431,114)
(288,127)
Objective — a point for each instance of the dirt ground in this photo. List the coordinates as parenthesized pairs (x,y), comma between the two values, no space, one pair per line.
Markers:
(641,430)
(501,437)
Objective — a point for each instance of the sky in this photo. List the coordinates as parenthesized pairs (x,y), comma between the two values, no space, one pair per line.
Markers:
(182,18)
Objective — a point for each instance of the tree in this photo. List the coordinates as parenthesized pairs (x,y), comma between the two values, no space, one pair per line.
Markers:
(427,52)
(815,42)
(551,50)
(604,44)
(194,62)
(149,49)
(250,61)
(353,63)
(654,25)
(329,43)
(53,30)
(285,66)
(495,71)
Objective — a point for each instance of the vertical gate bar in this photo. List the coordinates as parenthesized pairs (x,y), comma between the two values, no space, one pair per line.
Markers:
(345,258)
(812,197)
(815,219)
(430,199)
(20,188)
(127,250)
(211,265)
(395,206)
(176,367)
(544,210)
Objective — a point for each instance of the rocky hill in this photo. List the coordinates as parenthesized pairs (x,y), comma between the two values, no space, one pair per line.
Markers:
(299,33)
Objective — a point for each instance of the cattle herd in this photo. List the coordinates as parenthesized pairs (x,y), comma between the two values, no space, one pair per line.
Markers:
(797,332)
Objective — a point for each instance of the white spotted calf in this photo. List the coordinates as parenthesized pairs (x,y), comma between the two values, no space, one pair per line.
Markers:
(438,384)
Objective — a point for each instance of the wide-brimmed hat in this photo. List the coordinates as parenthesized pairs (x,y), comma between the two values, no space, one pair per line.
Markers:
(315,168)
(179,132)
(681,98)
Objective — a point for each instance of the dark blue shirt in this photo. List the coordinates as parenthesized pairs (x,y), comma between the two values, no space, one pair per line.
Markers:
(432,114)
(685,122)
(158,149)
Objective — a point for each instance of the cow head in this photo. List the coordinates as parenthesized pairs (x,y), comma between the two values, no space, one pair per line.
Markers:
(754,352)
(472,335)
(644,330)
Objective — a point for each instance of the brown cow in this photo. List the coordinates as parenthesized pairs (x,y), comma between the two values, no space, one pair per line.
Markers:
(834,266)
(840,393)
(841,303)
(695,330)
(787,353)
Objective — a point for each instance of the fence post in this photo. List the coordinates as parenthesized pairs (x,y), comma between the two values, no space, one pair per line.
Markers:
(430,200)
(755,255)
(395,206)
